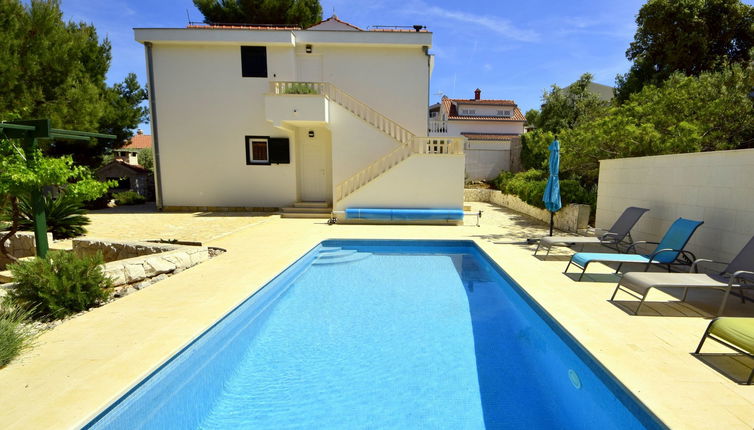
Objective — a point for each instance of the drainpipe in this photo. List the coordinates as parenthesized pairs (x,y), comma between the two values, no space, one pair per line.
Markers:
(153,123)
(429,78)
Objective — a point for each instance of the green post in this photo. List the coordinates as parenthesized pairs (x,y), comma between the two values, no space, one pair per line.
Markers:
(37,204)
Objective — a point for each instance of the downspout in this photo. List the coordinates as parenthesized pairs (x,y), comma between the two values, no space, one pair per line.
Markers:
(429,79)
(153,124)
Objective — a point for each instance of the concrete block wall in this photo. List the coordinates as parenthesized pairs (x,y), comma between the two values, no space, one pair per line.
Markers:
(715,187)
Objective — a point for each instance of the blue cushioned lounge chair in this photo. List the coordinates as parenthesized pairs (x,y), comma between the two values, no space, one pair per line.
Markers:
(669,250)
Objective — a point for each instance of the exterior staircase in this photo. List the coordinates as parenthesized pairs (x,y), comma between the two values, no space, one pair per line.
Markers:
(314,210)
(407,143)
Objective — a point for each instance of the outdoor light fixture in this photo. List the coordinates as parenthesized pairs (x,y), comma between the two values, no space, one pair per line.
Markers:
(311,133)
(308,49)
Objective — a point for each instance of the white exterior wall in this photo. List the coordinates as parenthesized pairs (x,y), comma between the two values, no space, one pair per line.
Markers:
(485,159)
(455,128)
(204,108)
(714,187)
(420,181)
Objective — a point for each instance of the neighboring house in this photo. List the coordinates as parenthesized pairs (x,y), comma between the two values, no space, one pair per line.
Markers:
(128,176)
(271,116)
(493,130)
(129,152)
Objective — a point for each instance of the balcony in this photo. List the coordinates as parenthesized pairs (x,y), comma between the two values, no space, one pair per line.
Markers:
(437,127)
(285,105)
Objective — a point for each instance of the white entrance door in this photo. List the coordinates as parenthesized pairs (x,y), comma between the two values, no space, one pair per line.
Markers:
(309,67)
(314,153)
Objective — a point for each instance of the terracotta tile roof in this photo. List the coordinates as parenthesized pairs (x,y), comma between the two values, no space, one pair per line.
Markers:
(243,27)
(489,136)
(139,141)
(400,30)
(335,18)
(450,107)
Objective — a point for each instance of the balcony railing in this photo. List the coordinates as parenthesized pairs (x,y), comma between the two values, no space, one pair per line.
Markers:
(438,126)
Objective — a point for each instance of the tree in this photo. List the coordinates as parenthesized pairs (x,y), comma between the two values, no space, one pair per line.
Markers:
(124,111)
(565,108)
(712,111)
(146,159)
(303,13)
(21,175)
(56,70)
(688,36)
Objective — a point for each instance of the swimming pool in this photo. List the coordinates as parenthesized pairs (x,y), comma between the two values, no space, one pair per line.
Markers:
(383,334)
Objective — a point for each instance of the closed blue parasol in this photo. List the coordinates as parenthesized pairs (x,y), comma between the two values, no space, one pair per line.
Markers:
(552,190)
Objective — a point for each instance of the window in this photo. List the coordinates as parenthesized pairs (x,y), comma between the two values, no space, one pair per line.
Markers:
(254,61)
(433,114)
(504,113)
(468,111)
(265,150)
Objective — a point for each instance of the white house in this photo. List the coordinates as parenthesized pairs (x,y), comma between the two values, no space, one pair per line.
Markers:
(272,117)
(493,130)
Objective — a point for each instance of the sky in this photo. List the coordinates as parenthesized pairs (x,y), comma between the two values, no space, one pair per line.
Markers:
(510,50)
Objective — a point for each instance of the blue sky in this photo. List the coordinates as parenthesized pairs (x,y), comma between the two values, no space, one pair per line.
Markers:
(511,50)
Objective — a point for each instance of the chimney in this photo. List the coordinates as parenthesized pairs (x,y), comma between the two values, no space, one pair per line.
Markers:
(140,131)
(477,94)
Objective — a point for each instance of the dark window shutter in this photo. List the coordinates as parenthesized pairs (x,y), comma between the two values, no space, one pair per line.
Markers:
(280,152)
(254,61)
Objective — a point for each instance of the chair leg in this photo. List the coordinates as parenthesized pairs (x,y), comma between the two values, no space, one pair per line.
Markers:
(751,376)
(582,272)
(685,292)
(706,333)
(569,265)
(548,252)
(538,245)
(641,302)
(725,299)
(617,287)
(619,266)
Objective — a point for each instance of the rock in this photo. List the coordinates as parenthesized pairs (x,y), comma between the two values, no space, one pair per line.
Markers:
(157,265)
(134,272)
(116,273)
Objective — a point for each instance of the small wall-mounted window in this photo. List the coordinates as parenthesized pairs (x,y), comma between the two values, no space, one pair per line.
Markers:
(254,61)
(505,113)
(265,150)
(468,111)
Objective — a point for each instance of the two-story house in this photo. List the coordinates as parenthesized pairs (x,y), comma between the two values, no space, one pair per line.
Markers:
(283,117)
(493,130)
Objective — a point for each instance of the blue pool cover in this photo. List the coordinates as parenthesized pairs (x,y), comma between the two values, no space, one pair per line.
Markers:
(404,214)
(383,335)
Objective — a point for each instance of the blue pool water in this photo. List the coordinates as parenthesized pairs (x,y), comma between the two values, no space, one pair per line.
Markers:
(383,334)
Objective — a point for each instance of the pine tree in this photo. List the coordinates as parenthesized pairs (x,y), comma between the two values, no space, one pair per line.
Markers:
(303,13)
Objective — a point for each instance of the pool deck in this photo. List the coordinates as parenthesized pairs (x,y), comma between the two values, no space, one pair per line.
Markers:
(76,369)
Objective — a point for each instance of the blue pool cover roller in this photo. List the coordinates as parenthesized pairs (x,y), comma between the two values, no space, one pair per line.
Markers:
(404,214)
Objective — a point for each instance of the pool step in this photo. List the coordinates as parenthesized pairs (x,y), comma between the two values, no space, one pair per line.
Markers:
(335,255)
(307,210)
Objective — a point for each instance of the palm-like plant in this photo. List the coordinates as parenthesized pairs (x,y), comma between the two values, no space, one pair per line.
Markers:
(66,216)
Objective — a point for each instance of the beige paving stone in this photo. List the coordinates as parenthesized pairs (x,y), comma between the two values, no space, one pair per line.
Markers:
(78,368)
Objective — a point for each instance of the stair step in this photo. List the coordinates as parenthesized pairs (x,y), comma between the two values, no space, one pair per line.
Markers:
(324,210)
(336,254)
(311,205)
(305,215)
(326,249)
(356,256)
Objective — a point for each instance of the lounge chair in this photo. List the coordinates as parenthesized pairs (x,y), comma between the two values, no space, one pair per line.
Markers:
(735,333)
(669,250)
(737,273)
(619,232)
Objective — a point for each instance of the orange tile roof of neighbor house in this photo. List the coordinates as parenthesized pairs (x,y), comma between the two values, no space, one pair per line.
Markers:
(139,141)
(489,136)
(449,106)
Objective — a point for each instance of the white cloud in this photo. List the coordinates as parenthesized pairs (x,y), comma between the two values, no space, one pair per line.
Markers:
(490,23)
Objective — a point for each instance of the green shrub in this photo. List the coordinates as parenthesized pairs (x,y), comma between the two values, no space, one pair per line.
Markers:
(129,198)
(15,334)
(530,186)
(59,285)
(66,216)
(300,89)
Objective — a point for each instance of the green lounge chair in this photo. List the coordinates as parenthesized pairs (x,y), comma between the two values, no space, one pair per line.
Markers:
(735,333)
(669,250)
(619,232)
(739,273)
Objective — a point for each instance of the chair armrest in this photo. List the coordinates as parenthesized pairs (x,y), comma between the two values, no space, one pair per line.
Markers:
(633,245)
(680,251)
(743,275)
(695,264)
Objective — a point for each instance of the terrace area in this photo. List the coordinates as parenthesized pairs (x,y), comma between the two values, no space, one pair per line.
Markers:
(76,369)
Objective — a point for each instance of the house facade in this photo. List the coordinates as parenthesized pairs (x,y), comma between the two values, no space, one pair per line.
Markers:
(267,117)
(492,129)
(129,152)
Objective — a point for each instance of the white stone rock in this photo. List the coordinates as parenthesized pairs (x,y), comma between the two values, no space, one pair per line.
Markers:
(158,265)
(134,272)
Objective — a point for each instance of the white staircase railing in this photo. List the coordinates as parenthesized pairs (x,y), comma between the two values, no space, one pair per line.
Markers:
(420,145)
(409,143)
(350,103)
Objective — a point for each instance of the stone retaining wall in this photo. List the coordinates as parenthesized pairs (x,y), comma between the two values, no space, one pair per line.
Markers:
(571,217)
(132,262)
(20,245)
